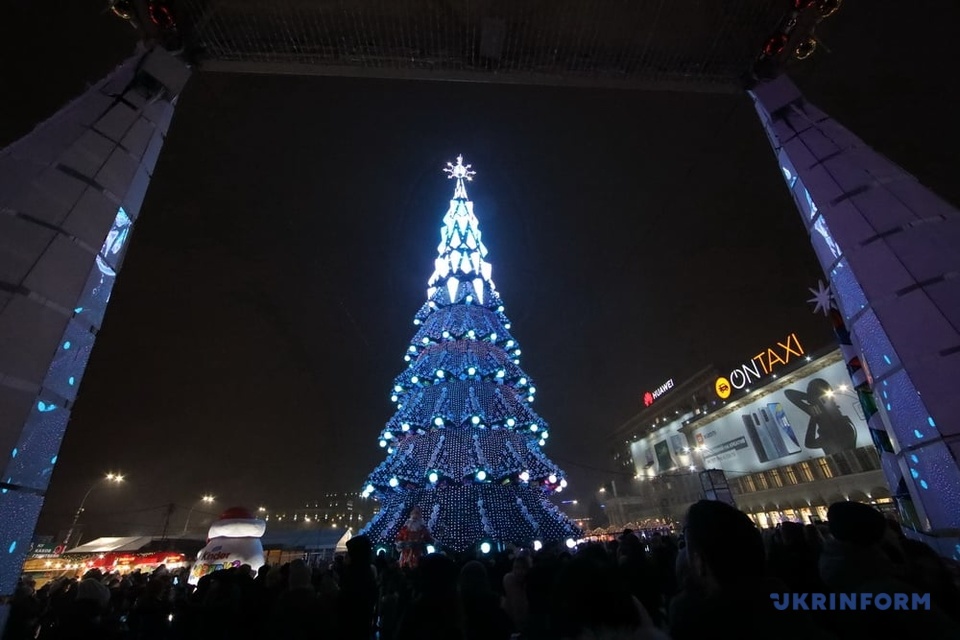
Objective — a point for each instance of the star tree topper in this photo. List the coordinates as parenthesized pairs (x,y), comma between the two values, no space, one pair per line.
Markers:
(822,298)
(460,172)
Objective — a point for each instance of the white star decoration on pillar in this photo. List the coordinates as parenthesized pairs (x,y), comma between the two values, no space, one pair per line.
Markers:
(822,298)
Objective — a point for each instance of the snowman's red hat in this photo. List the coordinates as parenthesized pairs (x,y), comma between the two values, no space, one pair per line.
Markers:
(237,522)
(237,513)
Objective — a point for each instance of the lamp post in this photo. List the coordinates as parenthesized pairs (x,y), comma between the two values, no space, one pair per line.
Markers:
(116,478)
(207,499)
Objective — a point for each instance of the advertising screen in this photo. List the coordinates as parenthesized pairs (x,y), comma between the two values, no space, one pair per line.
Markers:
(813,417)
(661,451)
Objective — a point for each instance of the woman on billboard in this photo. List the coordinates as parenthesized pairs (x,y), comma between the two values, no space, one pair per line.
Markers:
(829,429)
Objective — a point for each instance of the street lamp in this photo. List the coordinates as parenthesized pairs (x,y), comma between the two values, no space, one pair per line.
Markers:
(207,499)
(115,478)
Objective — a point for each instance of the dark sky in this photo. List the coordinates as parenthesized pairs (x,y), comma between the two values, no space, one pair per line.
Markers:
(269,288)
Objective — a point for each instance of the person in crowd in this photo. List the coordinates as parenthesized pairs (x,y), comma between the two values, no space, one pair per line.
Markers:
(296,614)
(435,613)
(359,592)
(483,617)
(24,618)
(515,598)
(792,560)
(639,573)
(592,600)
(727,568)
(856,560)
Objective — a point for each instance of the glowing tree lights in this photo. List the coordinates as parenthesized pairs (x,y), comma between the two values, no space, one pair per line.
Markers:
(465,443)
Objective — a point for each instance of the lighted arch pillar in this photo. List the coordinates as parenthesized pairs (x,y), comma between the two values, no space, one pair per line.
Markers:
(889,248)
(70,193)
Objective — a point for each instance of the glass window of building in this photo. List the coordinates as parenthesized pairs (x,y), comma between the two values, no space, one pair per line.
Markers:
(825,468)
(868,458)
(748,485)
(790,476)
(762,481)
(806,472)
(775,479)
(841,462)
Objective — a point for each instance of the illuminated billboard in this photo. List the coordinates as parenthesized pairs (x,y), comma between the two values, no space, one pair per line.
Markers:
(665,450)
(813,417)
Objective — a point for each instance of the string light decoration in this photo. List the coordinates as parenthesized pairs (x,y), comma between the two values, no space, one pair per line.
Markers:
(465,442)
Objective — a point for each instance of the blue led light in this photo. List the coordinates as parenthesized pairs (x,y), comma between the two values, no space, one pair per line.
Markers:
(914,473)
(917,434)
(66,345)
(53,460)
(923,483)
(14,453)
(43,407)
(886,359)
(931,422)
(71,381)
(914,458)
(12,547)
(78,310)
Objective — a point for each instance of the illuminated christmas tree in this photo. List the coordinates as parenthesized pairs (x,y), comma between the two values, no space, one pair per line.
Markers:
(465,445)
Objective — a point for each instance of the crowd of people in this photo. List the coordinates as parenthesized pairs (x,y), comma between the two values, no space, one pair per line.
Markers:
(714,579)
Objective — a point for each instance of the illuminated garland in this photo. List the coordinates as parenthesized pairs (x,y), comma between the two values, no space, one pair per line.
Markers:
(465,444)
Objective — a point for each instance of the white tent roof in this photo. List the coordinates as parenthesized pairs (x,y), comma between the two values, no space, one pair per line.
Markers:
(107,545)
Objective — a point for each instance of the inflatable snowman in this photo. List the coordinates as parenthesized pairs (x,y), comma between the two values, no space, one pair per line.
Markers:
(233,541)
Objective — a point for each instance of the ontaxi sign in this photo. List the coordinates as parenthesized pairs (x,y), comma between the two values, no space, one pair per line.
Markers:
(764,363)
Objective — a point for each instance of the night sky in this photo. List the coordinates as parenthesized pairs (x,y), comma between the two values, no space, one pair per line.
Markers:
(268,292)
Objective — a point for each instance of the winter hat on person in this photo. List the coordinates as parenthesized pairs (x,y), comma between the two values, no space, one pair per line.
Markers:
(856,523)
(90,589)
(300,575)
(359,547)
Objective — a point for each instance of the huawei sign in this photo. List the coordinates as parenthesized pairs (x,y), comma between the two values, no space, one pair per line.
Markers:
(650,396)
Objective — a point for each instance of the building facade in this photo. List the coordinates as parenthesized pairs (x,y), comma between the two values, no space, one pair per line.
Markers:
(788,434)
(341,510)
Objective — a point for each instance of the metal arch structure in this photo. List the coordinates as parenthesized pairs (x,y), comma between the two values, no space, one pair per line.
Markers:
(684,45)
(70,195)
(888,246)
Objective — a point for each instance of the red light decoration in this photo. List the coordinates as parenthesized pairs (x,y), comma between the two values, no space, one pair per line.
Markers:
(647,399)
(161,15)
(775,45)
